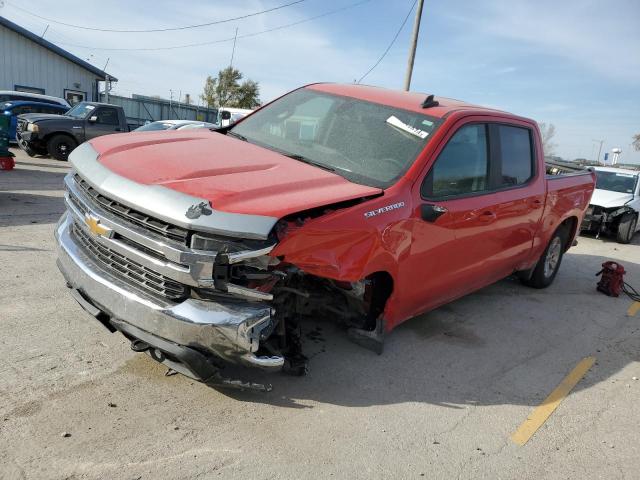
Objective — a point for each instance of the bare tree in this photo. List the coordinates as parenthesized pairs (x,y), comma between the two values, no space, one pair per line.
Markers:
(548,132)
(636,141)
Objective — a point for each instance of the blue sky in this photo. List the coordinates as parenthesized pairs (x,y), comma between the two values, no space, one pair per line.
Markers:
(575,64)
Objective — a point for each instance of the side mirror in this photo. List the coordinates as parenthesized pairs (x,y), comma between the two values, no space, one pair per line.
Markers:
(225,115)
(93,119)
(430,213)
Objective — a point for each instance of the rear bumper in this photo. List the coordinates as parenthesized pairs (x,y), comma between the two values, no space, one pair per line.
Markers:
(193,330)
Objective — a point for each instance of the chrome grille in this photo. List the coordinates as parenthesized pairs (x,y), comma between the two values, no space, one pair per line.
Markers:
(122,211)
(128,270)
(21,125)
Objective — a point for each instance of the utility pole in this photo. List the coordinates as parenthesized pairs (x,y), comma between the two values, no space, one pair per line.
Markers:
(233,51)
(414,44)
(107,86)
(599,149)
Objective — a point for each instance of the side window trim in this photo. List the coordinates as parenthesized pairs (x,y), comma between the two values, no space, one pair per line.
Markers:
(496,182)
(494,160)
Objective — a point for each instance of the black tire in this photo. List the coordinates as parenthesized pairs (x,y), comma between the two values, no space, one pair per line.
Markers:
(627,227)
(60,146)
(547,267)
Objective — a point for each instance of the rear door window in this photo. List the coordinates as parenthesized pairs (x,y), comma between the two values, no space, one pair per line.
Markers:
(516,155)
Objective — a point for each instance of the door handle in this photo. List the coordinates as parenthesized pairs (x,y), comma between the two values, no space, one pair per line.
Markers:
(487,217)
(118,130)
(536,203)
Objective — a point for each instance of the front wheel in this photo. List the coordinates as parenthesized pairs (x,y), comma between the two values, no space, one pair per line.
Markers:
(60,146)
(627,227)
(549,264)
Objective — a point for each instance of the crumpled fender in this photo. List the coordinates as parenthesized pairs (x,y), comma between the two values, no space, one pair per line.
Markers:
(346,245)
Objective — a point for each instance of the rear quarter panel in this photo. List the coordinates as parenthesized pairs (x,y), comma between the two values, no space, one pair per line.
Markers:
(567,196)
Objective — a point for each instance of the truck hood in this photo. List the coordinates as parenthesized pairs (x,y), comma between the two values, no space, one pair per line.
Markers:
(609,199)
(233,175)
(39,117)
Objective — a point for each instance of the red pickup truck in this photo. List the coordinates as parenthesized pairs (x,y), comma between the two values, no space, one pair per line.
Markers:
(355,203)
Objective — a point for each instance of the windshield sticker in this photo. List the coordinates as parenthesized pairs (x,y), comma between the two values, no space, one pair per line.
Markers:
(396,122)
(428,123)
(625,175)
(89,107)
(388,208)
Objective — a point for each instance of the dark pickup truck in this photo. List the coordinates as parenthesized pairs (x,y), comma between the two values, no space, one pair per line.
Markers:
(58,135)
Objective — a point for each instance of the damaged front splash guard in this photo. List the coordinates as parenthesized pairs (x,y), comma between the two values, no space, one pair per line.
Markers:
(370,339)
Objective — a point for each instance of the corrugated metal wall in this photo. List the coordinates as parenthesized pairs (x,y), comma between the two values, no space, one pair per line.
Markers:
(143,109)
(28,64)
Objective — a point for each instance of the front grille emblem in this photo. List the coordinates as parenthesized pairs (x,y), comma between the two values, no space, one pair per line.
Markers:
(96,228)
(195,211)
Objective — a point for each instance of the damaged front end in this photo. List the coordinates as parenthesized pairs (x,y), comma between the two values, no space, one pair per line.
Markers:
(601,220)
(197,300)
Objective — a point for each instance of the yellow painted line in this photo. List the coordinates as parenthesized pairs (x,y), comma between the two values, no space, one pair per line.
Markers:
(541,413)
(633,309)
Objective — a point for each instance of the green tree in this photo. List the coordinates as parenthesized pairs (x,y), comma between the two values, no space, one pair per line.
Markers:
(227,91)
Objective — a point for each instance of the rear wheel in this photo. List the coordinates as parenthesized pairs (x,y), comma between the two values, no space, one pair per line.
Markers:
(627,227)
(60,146)
(549,264)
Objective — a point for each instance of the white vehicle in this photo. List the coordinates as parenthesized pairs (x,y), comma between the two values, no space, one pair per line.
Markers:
(174,125)
(229,116)
(14,96)
(615,203)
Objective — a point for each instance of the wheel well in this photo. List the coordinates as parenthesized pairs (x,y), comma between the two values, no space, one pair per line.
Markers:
(382,289)
(569,228)
(55,134)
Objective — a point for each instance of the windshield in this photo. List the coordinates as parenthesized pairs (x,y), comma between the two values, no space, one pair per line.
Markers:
(615,182)
(81,110)
(149,127)
(364,142)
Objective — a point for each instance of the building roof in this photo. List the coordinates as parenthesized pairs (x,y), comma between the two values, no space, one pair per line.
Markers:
(54,48)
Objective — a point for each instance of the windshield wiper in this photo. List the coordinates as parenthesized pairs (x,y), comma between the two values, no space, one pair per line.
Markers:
(306,160)
(237,135)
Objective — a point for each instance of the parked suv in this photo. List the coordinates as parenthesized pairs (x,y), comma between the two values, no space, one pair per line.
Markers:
(11,95)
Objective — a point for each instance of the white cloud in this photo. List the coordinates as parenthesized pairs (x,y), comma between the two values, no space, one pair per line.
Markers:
(599,35)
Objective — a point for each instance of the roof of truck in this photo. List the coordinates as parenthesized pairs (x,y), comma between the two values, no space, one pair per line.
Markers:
(401,99)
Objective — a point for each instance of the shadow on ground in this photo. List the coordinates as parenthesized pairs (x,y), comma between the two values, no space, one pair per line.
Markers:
(506,344)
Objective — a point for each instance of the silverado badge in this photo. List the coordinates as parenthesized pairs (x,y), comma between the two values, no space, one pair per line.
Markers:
(194,211)
(95,227)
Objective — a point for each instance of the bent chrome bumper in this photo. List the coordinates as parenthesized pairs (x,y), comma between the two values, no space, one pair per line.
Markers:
(230,331)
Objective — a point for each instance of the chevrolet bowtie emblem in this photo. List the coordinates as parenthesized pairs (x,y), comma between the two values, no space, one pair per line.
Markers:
(95,227)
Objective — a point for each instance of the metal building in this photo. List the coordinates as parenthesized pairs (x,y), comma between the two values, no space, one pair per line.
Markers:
(30,63)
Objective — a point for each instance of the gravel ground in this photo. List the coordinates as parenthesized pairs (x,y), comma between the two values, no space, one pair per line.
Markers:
(441,402)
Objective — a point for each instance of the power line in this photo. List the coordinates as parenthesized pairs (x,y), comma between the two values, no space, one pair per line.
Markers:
(223,40)
(186,27)
(391,44)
